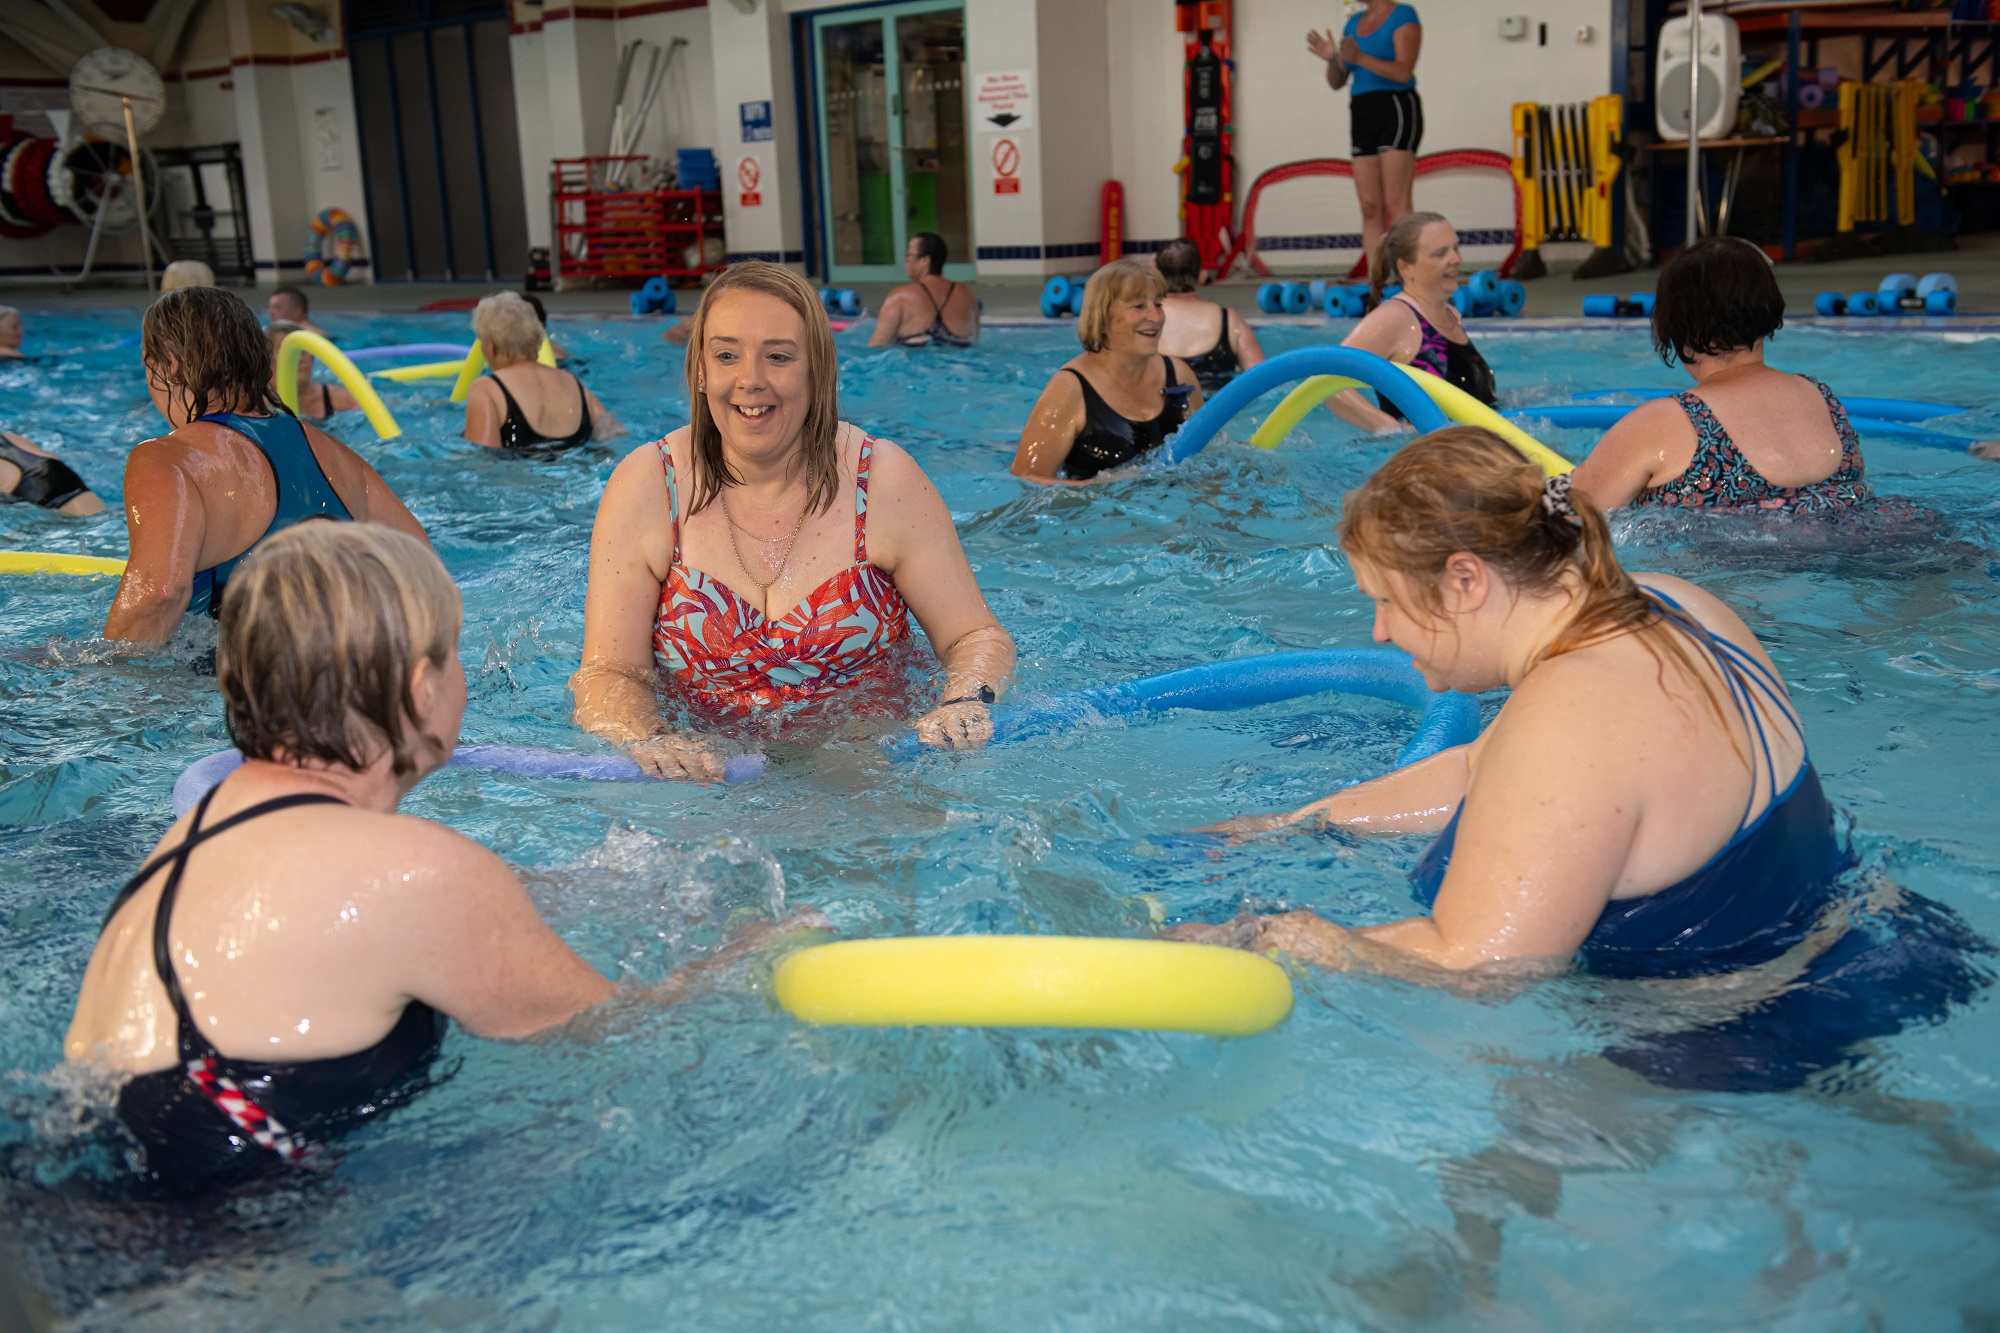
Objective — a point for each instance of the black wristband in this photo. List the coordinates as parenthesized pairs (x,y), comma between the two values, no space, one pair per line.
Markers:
(984,696)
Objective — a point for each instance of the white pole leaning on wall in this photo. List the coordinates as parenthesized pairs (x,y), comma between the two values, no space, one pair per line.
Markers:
(1694,122)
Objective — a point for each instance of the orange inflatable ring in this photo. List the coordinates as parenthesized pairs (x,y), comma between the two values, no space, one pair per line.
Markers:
(333,248)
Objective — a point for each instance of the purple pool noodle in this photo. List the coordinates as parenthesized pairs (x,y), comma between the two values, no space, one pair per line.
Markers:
(526,761)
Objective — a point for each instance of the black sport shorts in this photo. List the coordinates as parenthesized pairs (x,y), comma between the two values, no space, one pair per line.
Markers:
(1382,122)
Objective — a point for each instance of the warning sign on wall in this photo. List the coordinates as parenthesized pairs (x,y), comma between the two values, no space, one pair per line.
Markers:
(1004,101)
(748,174)
(1006,167)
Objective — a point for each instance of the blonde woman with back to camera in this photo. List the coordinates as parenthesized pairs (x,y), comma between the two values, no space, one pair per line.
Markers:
(1122,397)
(730,556)
(281,967)
(521,403)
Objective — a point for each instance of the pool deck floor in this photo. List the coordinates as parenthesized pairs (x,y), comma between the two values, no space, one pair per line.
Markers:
(1554,301)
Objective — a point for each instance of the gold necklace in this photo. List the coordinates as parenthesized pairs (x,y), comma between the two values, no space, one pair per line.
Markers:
(784,558)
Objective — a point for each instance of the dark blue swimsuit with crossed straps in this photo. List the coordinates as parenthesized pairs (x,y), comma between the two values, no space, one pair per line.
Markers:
(211,1120)
(1776,881)
(303,492)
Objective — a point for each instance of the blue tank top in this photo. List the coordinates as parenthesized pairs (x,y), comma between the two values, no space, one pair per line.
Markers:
(1758,896)
(303,493)
(1380,44)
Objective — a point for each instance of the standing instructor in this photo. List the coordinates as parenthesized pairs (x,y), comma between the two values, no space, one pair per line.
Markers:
(1378,50)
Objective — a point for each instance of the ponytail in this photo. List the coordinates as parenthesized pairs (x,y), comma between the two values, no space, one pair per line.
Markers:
(1464,489)
(1397,247)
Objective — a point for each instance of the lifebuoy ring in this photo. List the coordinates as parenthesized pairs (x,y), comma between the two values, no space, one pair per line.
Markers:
(14,222)
(334,246)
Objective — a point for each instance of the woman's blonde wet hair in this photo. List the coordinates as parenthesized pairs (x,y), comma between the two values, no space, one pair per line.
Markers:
(1464,489)
(322,628)
(508,326)
(1119,281)
(1398,247)
(818,458)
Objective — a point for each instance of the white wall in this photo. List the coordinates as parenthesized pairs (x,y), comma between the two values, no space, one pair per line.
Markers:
(753,63)
(1002,35)
(327,85)
(1284,111)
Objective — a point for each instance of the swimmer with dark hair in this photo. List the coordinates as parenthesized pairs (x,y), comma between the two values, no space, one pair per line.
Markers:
(1120,399)
(929,310)
(1643,803)
(235,468)
(542,314)
(288,305)
(1215,342)
(1746,437)
(293,979)
(317,400)
(31,475)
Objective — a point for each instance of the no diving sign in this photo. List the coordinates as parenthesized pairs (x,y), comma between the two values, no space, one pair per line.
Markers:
(748,174)
(1006,167)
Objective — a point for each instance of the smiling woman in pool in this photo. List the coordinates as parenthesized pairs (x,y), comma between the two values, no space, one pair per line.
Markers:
(723,554)
(1121,398)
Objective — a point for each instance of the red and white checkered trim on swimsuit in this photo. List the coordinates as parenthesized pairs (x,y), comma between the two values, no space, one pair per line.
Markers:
(262,1127)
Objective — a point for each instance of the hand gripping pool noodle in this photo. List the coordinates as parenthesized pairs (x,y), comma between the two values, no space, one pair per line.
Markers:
(1246,682)
(475,361)
(524,761)
(52,562)
(299,341)
(1364,368)
(1038,981)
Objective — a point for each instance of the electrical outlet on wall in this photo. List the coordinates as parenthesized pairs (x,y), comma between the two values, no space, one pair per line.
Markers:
(1585,34)
(1513,27)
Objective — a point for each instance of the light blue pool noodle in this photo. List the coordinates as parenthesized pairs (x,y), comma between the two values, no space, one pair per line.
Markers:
(440,350)
(1282,369)
(1246,682)
(522,761)
(1876,409)
(1601,416)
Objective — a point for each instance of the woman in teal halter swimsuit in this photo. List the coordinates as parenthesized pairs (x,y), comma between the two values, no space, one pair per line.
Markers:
(730,557)
(1643,804)
(235,468)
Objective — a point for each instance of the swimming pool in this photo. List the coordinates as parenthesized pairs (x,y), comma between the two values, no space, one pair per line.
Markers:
(1392,1157)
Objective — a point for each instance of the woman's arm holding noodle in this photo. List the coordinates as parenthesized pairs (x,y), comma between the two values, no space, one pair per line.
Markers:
(166,521)
(614,686)
(1417,798)
(911,537)
(1627,459)
(1053,425)
(1390,332)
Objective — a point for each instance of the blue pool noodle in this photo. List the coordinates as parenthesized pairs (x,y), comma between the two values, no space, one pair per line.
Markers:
(1602,416)
(1378,374)
(524,761)
(1246,682)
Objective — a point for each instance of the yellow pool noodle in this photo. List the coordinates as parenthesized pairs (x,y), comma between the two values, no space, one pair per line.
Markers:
(50,562)
(429,370)
(1035,981)
(1459,405)
(299,341)
(475,361)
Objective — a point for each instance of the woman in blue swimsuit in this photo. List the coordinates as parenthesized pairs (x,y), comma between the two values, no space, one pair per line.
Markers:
(235,468)
(1643,804)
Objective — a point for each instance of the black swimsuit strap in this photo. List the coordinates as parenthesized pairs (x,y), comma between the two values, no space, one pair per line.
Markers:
(163,909)
(514,413)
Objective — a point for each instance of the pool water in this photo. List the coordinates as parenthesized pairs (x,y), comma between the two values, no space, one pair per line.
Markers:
(1392,1157)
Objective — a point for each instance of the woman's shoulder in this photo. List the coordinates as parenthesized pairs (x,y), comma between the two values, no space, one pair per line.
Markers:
(1404,14)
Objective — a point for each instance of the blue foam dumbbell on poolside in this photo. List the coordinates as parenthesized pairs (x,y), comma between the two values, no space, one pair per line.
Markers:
(1513,298)
(1464,302)
(1271,298)
(1055,298)
(1297,298)
(1318,288)
(1485,285)
(1944,301)
(640,305)
(1076,299)
(850,301)
(1936,282)
(1830,304)
(1864,303)
(1391,290)
(1897,287)
(1342,303)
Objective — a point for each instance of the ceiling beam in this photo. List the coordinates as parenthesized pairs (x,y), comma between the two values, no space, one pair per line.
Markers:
(44,36)
(75,20)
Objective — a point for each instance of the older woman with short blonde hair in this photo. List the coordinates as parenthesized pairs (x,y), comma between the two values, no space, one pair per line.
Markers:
(240,1048)
(728,565)
(523,404)
(1122,397)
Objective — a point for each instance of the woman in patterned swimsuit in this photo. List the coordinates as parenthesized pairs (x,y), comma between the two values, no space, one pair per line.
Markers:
(1747,437)
(726,553)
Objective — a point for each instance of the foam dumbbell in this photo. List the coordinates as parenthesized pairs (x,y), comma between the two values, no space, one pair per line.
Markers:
(1513,298)
(1857,303)
(1055,298)
(1344,303)
(1464,302)
(1485,288)
(1297,298)
(850,301)
(1271,298)
(1618,307)
(1076,299)
(1939,293)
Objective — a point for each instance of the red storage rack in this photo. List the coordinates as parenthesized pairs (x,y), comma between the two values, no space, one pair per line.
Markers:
(606,232)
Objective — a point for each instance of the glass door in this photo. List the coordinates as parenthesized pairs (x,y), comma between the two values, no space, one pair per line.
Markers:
(892,135)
